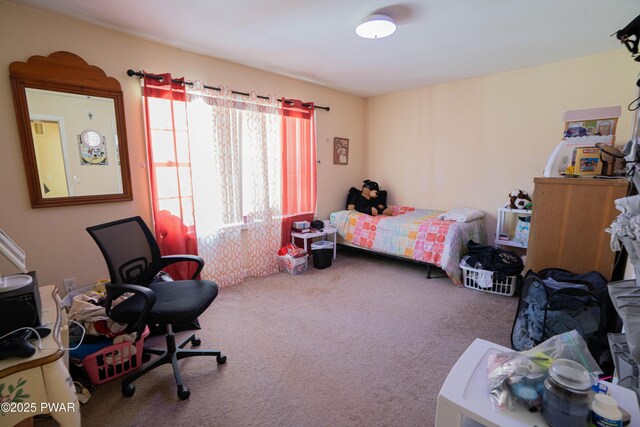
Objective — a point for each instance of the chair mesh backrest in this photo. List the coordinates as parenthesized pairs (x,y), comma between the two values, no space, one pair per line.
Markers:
(130,251)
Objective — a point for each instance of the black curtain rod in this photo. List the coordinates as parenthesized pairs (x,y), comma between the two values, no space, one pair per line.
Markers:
(132,73)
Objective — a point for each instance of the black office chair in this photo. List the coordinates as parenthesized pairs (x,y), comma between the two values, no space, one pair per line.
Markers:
(134,259)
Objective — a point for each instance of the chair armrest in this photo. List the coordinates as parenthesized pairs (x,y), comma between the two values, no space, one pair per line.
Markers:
(172,259)
(116,290)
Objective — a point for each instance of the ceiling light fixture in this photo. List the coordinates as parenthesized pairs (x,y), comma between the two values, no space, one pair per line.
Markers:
(376,27)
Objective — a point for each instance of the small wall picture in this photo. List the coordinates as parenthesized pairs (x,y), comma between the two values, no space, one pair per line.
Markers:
(340,151)
(93,150)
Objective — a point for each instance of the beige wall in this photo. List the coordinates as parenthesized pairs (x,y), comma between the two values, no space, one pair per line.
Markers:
(55,239)
(471,142)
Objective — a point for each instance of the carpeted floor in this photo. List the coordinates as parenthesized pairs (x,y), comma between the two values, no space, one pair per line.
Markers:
(366,342)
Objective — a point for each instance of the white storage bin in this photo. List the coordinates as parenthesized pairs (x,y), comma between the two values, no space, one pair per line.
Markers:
(483,280)
(292,265)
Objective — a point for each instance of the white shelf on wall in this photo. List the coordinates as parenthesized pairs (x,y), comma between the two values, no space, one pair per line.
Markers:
(506,227)
(515,211)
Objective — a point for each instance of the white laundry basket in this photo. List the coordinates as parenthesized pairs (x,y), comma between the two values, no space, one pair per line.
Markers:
(483,280)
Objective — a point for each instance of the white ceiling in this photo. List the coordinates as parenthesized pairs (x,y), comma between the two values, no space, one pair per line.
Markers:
(314,40)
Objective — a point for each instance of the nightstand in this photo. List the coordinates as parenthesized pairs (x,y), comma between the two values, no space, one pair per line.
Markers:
(311,235)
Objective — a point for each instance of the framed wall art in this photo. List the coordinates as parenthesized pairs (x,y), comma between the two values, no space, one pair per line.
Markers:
(340,151)
(93,149)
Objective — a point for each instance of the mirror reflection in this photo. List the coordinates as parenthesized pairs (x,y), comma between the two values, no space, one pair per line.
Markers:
(73,137)
(75,142)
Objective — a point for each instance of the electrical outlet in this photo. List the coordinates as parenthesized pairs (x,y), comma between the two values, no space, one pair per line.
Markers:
(69,284)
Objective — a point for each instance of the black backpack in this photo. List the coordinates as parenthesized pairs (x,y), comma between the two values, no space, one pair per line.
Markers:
(554,301)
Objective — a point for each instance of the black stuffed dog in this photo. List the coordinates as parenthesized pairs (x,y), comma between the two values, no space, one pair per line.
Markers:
(370,200)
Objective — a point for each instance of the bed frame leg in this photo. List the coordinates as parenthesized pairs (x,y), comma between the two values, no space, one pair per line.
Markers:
(430,273)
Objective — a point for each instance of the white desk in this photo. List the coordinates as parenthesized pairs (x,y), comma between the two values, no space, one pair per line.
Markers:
(464,396)
(324,232)
(43,376)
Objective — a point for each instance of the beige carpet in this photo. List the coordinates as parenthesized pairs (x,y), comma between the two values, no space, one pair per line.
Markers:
(366,342)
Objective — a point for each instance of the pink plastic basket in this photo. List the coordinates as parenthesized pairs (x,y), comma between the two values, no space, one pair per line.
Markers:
(114,361)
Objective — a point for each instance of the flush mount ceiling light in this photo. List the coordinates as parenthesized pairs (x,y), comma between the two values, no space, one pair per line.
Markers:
(376,27)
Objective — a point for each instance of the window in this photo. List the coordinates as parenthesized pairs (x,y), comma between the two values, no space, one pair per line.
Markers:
(184,154)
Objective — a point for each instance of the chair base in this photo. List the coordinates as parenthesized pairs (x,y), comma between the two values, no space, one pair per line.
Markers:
(170,355)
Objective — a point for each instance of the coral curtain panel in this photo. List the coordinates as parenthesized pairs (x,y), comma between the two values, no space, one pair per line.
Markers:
(170,170)
(299,186)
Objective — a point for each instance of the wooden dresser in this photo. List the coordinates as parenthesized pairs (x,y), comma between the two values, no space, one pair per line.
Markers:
(568,222)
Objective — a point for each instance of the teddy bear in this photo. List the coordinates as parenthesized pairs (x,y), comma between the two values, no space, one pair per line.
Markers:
(519,199)
(370,200)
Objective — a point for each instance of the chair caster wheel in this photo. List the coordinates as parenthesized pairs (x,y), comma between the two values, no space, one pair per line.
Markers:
(183,392)
(195,341)
(221,359)
(128,390)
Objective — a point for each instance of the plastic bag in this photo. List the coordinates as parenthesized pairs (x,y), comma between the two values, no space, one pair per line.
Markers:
(292,250)
(625,228)
(625,296)
(633,251)
(519,376)
(629,204)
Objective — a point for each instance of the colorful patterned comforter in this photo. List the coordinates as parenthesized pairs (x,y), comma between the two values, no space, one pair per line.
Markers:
(412,233)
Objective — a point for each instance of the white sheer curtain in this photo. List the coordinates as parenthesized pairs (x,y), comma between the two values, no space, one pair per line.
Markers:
(236,179)
(262,184)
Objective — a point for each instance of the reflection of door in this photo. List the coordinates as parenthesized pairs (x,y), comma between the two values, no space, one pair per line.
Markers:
(51,157)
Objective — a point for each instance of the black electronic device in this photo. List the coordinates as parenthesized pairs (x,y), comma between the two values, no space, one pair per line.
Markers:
(14,313)
(16,345)
(19,349)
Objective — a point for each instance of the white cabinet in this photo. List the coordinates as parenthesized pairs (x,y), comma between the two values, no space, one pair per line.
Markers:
(507,226)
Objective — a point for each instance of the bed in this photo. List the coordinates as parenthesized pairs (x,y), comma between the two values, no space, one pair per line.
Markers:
(414,234)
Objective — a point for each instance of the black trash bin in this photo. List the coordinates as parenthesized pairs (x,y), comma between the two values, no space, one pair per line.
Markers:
(322,254)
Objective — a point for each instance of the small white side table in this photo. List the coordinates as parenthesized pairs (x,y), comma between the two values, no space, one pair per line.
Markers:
(464,396)
(325,232)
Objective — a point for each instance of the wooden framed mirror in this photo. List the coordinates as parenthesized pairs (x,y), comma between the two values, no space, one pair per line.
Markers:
(72,131)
